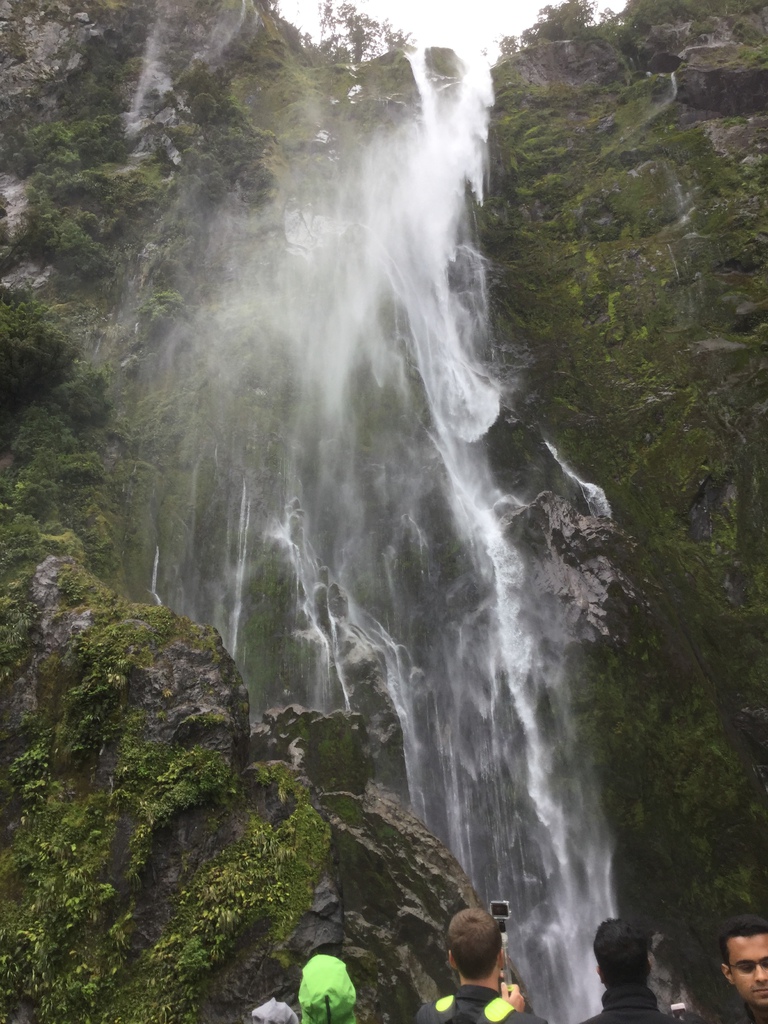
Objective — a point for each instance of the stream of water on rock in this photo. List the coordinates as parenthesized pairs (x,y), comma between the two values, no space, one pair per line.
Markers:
(395,497)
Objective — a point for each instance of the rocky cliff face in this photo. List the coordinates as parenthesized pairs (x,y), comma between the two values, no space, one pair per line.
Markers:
(626,223)
(159,864)
(144,152)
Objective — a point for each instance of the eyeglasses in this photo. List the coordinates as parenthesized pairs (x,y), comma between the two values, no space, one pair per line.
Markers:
(750,966)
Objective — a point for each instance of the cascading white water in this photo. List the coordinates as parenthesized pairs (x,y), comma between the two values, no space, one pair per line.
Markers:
(594,495)
(345,378)
(155,566)
(309,578)
(154,78)
(386,320)
(244,523)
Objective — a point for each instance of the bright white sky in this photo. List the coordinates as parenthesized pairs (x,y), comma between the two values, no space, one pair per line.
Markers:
(467,26)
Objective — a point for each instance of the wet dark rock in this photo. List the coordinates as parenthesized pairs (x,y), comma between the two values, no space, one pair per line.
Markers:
(397,881)
(713,498)
(576,560)
(664,63)
(51,633)
(443,62)
(725,91)
(683,38)
(736,586)
(753,723)
(362,672)
(606,124)
(55,628)
(177,852)
(670,38)
(365,680)
(522,464)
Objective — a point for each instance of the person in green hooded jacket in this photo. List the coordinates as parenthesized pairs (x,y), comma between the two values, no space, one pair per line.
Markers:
(326,994)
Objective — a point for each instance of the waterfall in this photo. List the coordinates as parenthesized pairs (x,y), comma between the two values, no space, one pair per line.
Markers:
(336,397)
(594,495)
(154,79)
(241,564)
(155,566)
(314,610)
(383,310)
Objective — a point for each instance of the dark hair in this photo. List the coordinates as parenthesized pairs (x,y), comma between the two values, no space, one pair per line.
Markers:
(736,927)
(474,940)
(621,951)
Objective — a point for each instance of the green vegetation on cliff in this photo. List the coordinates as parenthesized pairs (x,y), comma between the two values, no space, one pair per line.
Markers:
(99,816)
(629,248)
(630,254)
(54,411)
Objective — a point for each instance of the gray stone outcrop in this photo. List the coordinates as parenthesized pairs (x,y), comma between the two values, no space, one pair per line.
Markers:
(569,62)
(575,559)
(714,79)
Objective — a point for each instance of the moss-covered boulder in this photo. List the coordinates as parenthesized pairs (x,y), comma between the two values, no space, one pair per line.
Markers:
(399,885)
(150,870)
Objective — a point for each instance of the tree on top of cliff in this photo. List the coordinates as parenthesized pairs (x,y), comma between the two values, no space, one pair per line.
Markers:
(347,34)
(561,21)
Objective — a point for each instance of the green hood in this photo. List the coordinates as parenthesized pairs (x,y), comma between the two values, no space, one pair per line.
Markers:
(327,996)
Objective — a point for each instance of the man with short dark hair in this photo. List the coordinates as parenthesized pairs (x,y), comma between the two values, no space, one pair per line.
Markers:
(474,950)
(623,965)
(744,947)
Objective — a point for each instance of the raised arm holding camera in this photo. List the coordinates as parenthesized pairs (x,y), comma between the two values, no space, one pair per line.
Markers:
(475,951)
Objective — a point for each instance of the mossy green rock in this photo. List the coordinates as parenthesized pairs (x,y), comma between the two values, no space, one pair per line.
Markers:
(333,750)
(150,871)
(400,885)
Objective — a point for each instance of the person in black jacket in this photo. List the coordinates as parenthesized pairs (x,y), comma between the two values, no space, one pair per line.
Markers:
(474,950)
(623,964)
(744,946)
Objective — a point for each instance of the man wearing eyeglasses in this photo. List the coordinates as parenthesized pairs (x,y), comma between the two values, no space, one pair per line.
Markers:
(744,946)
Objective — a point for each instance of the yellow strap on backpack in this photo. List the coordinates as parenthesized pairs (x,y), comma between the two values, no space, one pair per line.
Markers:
(445,1003)
(497,1010)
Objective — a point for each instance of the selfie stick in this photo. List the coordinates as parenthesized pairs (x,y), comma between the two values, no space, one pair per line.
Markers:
(504,949)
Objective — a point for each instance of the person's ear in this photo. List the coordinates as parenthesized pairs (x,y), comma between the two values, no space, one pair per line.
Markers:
(500,959)
(599,970)
(451,961)
(726,969)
